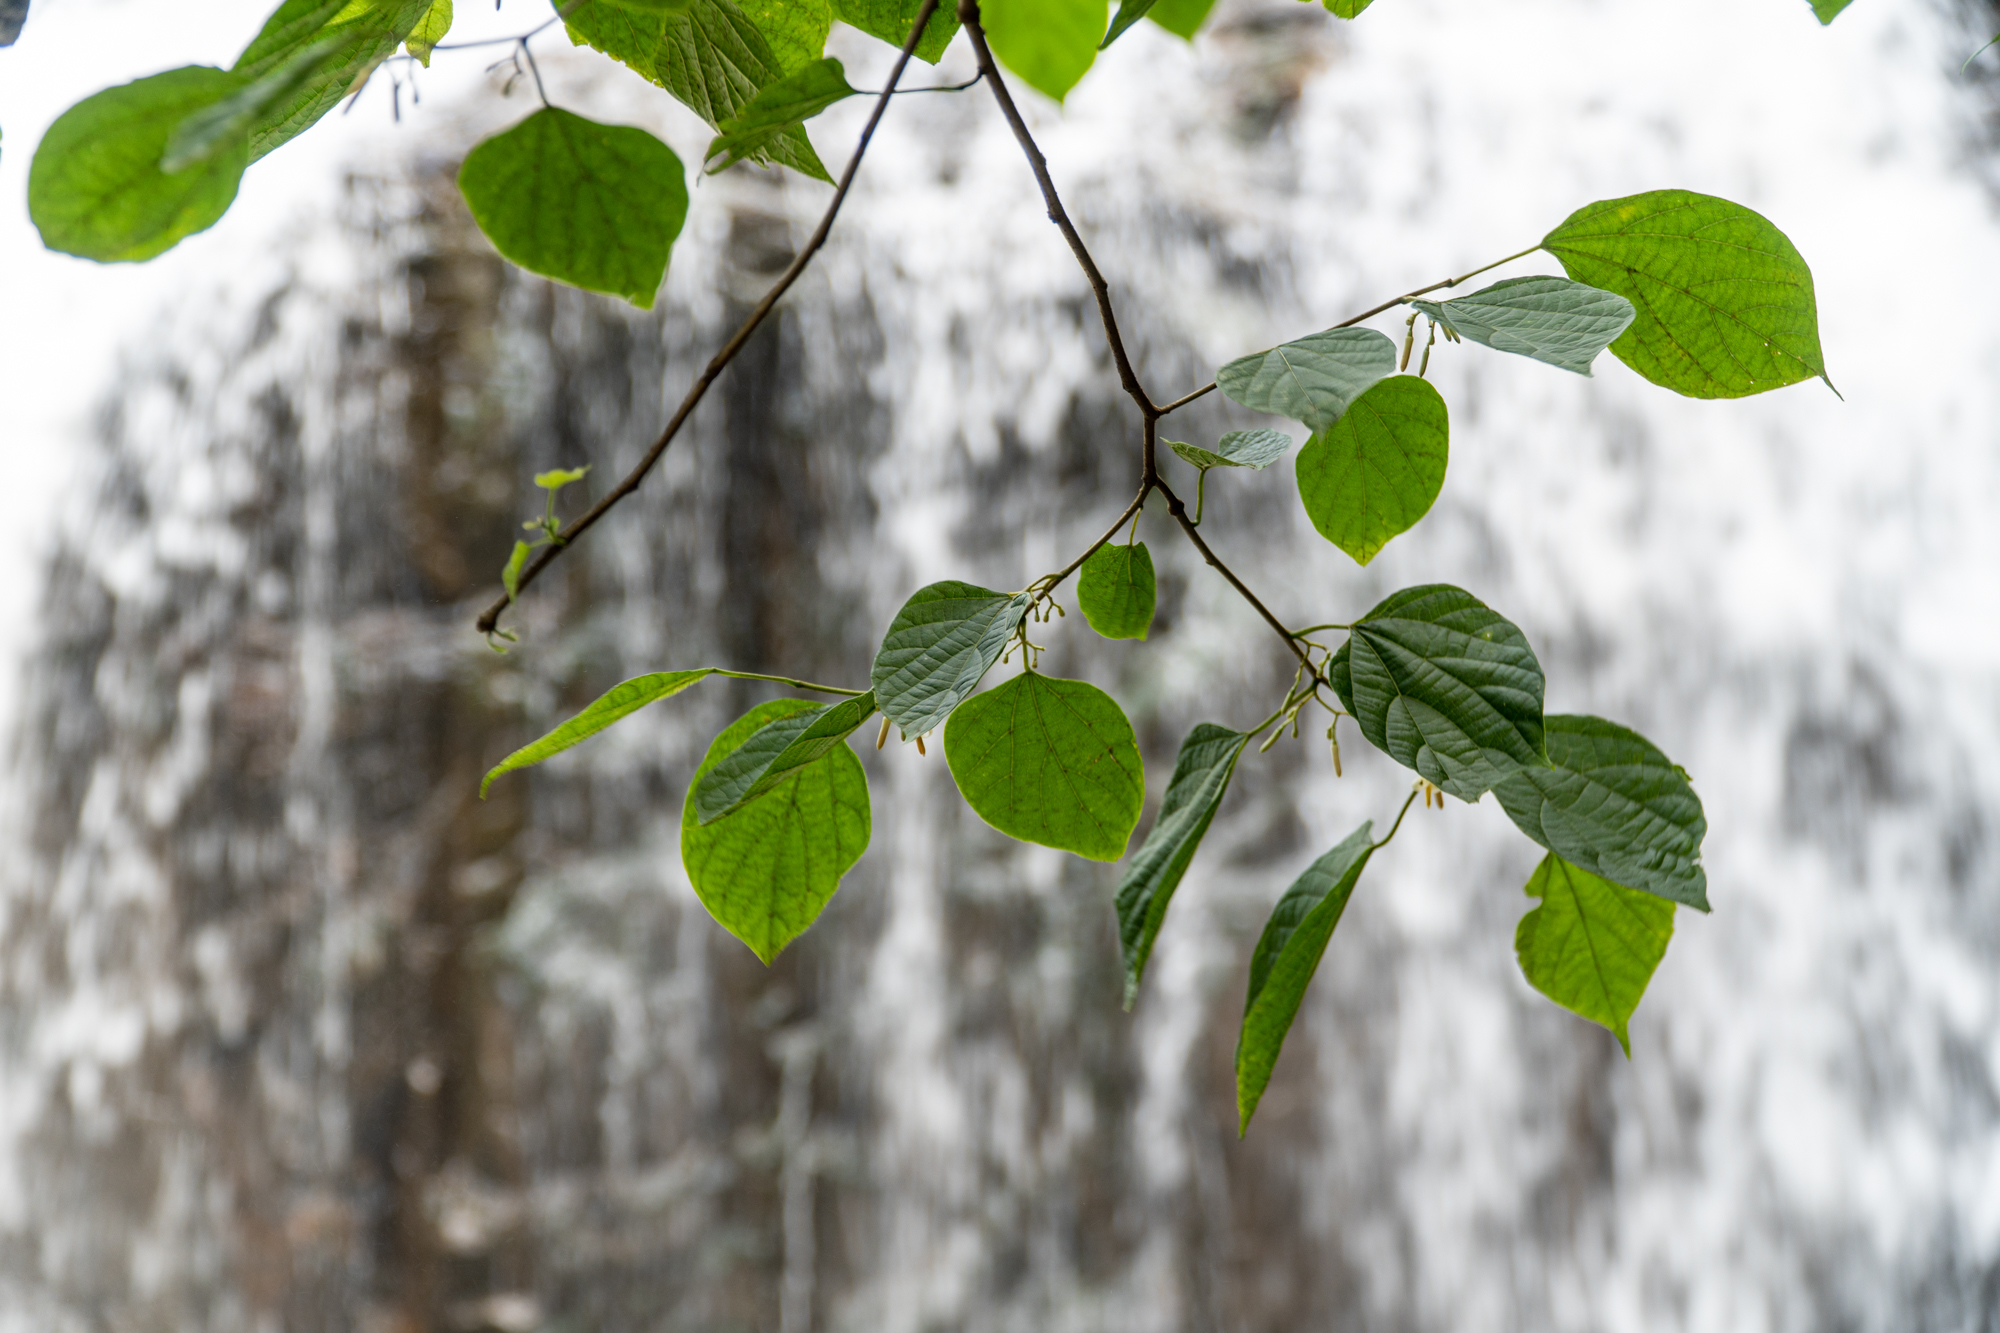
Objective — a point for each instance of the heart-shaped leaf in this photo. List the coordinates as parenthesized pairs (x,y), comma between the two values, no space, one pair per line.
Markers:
(1255,449)
(1312,380)
(1116,590)
(946,637)
(1378,469)
(1610,802)
(1592,945)
(1444,685)
(1563,323)
(1050,761)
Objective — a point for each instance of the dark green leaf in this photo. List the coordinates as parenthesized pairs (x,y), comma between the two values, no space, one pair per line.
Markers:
(430,30)
(766,871)
(1312,380)
(890,20)
(938,647)
(1443,685)
(774,753)
(1724,302)
(797,97)
(1287,955)
(1201,775)
(318,52)
(1049,761)
(1255,449)
(1379,468)
(1051,44)
(613,704)
(1129,12)
(1348,9)
(1182,18)
(795,29)
(1827,9)
(597,206)
(1116,589)
(1614,805)
(95,188)
(711,55)
(1550,319)
(1591,946)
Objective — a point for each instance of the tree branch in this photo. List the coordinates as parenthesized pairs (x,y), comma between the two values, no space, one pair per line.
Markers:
(1179,511)
(490,619)
(968,15)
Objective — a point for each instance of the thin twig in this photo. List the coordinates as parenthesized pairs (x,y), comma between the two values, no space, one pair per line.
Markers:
(1407,803)
(968,15)
(1179,511)
(1054,581)
(1371,313)
(489,620)
(787,680)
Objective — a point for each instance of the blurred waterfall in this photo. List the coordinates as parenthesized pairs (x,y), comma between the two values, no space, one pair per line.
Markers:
(297,1034)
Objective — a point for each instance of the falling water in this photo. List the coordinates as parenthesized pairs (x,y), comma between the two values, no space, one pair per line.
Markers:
(299,1034)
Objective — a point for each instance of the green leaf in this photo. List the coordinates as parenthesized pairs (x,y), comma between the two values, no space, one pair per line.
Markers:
(318,52)
(1286,958)
(1116,591)
(1051,44)
(766,870)
(1550,319)
(1049,761)
(1379,468)
(1614,805)
(1182,18)
(1827,9)
(1129,12)
(510,577)
(1591,946)
(95,188)
(710,55)
(560,477)
(890,20)
(797,97)
(1312,380)
(1256,449)
(1348,9)
(1724,302)
(1443,685)
(616,703)
(938,647)
(596,206)
(430,30)
(795,29)
(774,753)
(1202,771)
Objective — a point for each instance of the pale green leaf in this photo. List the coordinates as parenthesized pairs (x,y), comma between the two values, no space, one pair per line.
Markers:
(710,55)
(1555,320)
(1444,685)
(1049,761)
(510,577)
(618,702)
(1287,956)
(596,206)
(1613,804)
(1348,9)
(797,97)
(1116,589)
(1724,302)
(946,637)
(775,752)
(430,30)
(1312,380)
(1202,770)
(1255,449)
(1592,945)
(1182,18)
(320,51)
(1051,44)
(1379,468)
(766,870)
(795,29)
(558,478)
(891,21)
(95,187)
(1825,10)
